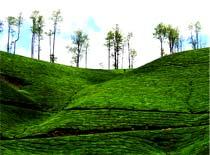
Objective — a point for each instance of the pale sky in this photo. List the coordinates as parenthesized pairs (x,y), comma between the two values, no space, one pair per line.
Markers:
(97,17)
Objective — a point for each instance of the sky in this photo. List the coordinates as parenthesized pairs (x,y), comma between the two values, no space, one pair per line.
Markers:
(97,17)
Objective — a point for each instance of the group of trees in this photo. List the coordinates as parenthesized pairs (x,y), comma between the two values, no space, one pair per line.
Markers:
(14,24)
(116,41)
(194,35)
(163,32)
(37,29)
(175,41)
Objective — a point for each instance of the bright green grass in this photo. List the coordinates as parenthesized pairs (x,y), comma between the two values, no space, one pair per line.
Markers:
(174,83)
(160,108)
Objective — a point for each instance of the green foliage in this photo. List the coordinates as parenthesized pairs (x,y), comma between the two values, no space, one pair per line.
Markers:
(34,17)
(56,17)
(133,54)
(160,34)
(109,39)
(11,20)
(173,36)
(114,39)
(79,40)
(109,44)
(160,31)
(40,24)
(37,31)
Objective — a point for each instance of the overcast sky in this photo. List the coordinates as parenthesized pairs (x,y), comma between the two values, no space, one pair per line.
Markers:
(97,17)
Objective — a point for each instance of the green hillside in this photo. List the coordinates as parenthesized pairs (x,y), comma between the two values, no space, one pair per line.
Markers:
(159,108)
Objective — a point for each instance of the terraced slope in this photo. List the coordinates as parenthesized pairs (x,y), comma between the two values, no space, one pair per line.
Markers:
(160,108)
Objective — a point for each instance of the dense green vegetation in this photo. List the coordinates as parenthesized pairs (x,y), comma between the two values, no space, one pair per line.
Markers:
(160,108)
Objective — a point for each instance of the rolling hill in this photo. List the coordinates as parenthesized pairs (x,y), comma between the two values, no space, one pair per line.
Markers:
(159,108)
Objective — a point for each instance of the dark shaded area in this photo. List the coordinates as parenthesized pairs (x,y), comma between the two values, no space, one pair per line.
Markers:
(11,96)
(4,138)
(71,131)
(29,106)
(19,82)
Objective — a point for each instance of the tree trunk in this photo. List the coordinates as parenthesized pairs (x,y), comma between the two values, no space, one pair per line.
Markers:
(115,59)
(109,52)
(53,54)
(8,39)
(129,56)
(197,44)
(17,38)
(39,47)
(32,45)
(161,48)
(86,58)
(109,57)
(78,54)
(132,62)
(122,56)
(50,46)
(14,47)
(170,47)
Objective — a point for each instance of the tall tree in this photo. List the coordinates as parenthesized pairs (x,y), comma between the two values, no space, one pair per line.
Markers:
(109,43)
(19,23)
(11,21)
(78,39)
(49,34)
(192,38)
(118,39)
(172,35)
(40,25)
(56,18)
(128,41)
(160,33)
(34,18)
(197,31)
(133,54)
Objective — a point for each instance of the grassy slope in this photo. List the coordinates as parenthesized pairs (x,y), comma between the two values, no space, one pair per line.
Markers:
(43,81)
(174,83)
(124,110)
(39,86)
